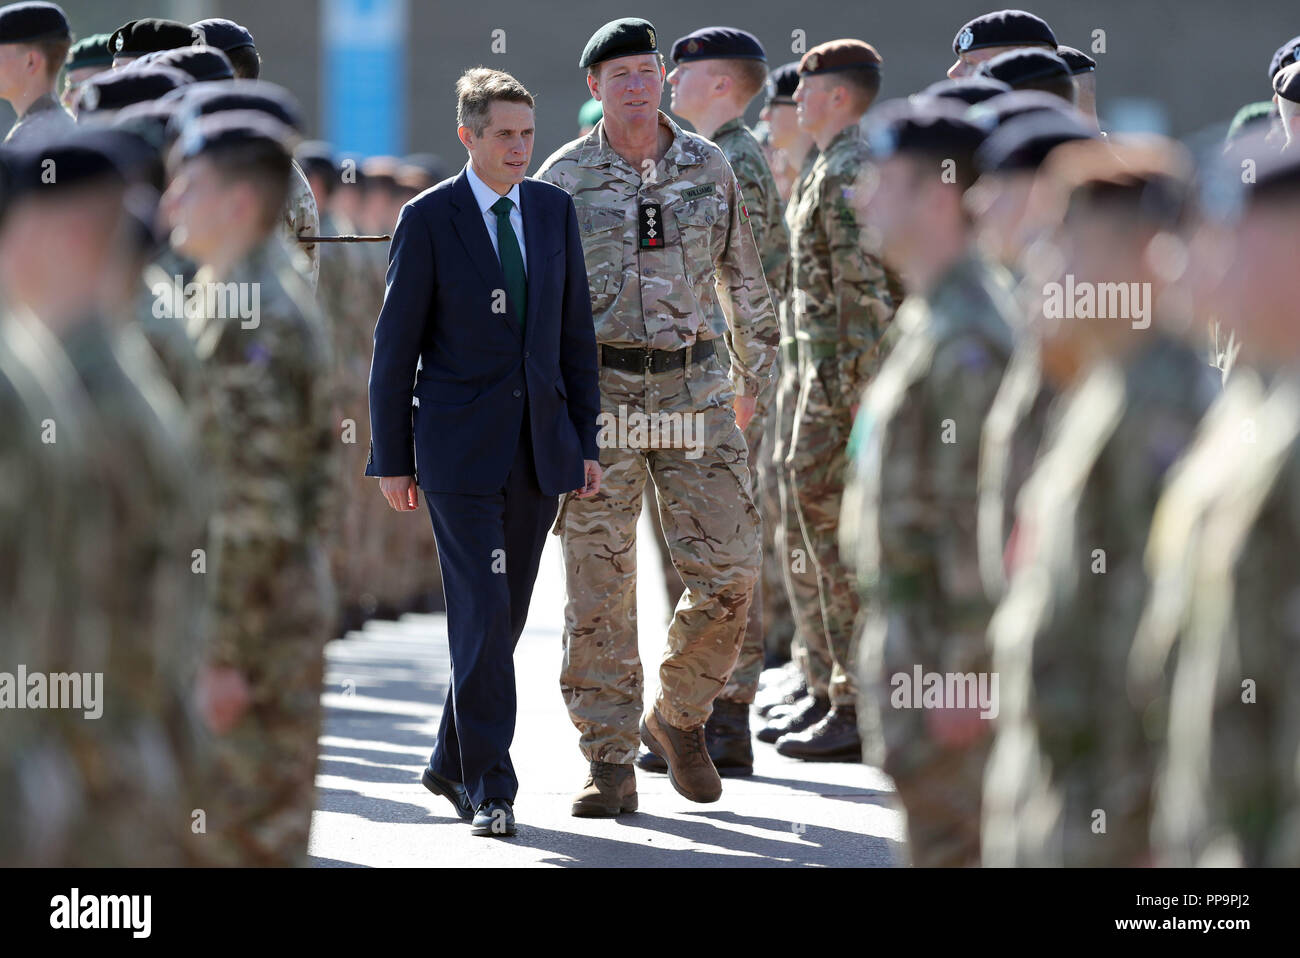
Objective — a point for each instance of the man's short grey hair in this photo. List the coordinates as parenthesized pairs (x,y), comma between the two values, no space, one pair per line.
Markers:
(476,90)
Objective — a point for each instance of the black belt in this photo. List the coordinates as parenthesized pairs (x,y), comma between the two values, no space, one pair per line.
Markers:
(633,360)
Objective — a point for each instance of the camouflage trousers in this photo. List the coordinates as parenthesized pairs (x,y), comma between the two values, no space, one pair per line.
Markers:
(261,790)
(818,464)
(743,683)
(799,576)
(712,527)
(942,802)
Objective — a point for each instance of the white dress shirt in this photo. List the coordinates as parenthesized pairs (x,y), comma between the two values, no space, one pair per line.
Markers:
(486,196)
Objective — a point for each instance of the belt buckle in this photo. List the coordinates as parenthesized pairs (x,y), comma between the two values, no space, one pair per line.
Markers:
(647,361)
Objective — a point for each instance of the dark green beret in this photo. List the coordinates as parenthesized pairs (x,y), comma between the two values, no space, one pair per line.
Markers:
(627,37)
(90,51)
(590,113)
(29,22)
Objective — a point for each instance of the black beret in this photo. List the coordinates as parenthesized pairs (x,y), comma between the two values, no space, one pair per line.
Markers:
(718,43)
(1076,60)
(930,128)
(317,156)
(225,34)
(116,89)
(237,128)
(1021,145)
(28,22)
(148,120)
(82,158)
(781,83)
(1008,106)
(91,51)
(836,55)
(627,37)
(137,37)
(224,95)
(967,90)
(1005,28)
(1287,53)
(1287,83)
(1023,66)
(204,63)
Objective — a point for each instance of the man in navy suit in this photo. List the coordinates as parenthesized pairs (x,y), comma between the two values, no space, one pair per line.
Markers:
(486,331)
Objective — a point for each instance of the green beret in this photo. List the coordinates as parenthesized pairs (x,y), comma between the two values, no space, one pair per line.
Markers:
(627,37)
(91,51)
(590,113)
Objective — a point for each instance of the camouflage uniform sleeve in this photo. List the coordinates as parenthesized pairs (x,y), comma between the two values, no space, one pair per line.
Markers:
(755,335)
(757,189)
(863,306)
(258,393)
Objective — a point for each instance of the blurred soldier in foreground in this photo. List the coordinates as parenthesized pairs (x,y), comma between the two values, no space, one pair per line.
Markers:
(909,516)
(842,306)
(88,57)
(113,788)
(34,42)
(265,422)
(1221,564)
(662,221)
(1070,778)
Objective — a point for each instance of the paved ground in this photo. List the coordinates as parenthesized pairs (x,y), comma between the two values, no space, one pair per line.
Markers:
(384,690)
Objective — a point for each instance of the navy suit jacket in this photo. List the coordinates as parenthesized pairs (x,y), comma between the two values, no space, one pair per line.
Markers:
(478,370)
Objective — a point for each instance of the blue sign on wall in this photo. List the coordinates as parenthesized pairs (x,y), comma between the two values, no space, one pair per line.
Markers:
(363,75)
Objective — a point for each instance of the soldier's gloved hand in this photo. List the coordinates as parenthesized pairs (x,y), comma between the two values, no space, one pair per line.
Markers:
(591,479)
(223,697)
(401,492)
(744,406)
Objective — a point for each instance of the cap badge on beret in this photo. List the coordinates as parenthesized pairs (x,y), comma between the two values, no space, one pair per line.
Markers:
(650,31)
(119,43)
(692,46)
(89,97)
(813,60)
(965,38)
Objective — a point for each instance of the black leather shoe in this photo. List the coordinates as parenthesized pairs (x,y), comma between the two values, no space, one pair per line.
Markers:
(648,761)
(494,817)
(834,739)
(726,736)
(809,711)
(787,693)
(453,792)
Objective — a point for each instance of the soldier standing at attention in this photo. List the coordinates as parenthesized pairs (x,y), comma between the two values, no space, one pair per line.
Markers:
(909,517)
(34,42)
(661,216)
(842,307)
(265,420)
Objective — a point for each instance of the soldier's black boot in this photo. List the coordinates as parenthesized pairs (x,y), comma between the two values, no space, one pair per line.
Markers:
(807,711)
(834,739)
(726,736)
(648,761)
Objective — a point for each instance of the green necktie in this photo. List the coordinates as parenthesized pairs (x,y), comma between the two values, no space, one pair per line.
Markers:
(512,261)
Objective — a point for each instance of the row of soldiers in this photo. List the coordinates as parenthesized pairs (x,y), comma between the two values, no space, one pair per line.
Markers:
(183,375)
(1035,552)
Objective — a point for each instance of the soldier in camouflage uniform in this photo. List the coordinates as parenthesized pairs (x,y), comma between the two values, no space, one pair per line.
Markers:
(719,70)
(804,698)
(1014,428)
(662,218)
(266,421)
(1223,577)
(842,306)
(34,42)
(1069,779)
(116,789)
(909,513)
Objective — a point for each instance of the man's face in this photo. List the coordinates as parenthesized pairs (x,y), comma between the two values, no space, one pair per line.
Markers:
(884,197)
(197,207)
(75,79)
(14,68)
(502,153)
(783,122)
(629,88)
(693,87)
(1258,292)
(968,61)
(813,99)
